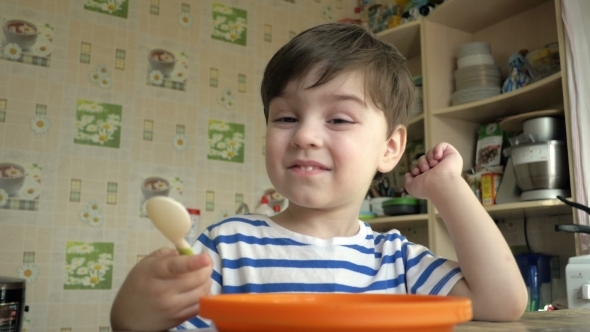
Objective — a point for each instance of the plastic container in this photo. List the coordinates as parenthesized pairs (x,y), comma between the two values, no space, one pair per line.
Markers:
(543,62)
(536,272)
(193,234)
(334,312)
(264,208)
(276,209)
(401,206)
(367,215)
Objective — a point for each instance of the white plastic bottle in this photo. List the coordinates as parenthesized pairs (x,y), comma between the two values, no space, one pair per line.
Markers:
(264,208)
(193,233)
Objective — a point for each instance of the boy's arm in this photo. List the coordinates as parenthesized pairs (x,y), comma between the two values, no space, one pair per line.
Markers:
(492,278)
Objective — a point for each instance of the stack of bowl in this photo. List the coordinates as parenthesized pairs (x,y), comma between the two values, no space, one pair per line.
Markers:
(477,76)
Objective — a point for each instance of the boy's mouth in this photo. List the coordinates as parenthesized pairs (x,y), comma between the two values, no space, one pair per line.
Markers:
(308,166)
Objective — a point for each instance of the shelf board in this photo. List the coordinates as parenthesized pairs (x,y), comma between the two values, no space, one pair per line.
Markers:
(543,94)
(519,210)
(472,16)
(405,37)
(416,120)
(549,207)
(398,222)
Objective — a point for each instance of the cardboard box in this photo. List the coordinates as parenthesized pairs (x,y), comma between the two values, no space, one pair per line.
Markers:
(489,187)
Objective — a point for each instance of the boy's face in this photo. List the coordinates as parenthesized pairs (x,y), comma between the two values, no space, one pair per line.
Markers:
(324,144)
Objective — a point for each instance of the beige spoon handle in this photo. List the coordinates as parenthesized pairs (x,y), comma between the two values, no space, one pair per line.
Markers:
(184,248)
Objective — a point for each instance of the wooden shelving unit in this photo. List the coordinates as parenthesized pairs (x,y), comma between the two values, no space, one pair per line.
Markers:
(517,210)
(536,96)
(431,45)
(399,222)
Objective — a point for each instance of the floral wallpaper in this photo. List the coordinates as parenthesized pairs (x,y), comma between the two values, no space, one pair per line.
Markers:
(116,8)
(88,265)
(167,69)
(27,41)
(20,185)
(229,24)
(98,124)
(105,103)
(226,141)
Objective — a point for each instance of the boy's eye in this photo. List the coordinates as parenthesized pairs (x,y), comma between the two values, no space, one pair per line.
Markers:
(340,121)
(286,119)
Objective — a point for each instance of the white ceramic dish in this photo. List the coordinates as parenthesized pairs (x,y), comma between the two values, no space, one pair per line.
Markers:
(474,93)
(482,81)
(475,60)
(476,71)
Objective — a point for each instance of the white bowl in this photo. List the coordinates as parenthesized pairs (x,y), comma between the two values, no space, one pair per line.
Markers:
(474,48)
(475,60)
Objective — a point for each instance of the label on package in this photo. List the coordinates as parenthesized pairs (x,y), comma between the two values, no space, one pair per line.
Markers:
(489,146)
(529,155)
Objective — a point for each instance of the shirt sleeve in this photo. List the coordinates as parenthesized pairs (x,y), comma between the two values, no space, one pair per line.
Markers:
(206,244)
(428,274)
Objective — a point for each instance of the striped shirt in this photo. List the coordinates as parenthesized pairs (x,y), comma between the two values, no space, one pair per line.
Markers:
(252,254)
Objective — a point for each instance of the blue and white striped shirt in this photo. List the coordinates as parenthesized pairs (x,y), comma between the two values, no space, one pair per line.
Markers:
(252,254)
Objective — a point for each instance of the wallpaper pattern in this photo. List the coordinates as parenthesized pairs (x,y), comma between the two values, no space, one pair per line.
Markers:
(105,103)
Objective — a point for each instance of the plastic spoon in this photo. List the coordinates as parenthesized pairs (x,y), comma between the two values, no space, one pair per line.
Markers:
(172,219)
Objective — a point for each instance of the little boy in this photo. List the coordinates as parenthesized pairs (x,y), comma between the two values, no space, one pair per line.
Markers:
(335,101)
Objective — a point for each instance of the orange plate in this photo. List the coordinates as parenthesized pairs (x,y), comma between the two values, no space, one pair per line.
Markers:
(299,312)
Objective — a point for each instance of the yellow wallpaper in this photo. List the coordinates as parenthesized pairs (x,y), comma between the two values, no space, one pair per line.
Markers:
(85,118)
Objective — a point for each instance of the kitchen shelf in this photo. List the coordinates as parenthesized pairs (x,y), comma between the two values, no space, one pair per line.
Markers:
(399,222)
(431,44)
(473,16)
(405,37)
(533,97)
(519,210)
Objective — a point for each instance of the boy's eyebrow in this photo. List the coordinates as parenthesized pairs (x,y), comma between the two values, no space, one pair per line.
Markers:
(345,97)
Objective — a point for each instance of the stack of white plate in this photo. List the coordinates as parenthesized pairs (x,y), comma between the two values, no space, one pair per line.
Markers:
(478,77)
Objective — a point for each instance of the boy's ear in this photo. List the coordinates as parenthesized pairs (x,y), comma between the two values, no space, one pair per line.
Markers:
(396,145)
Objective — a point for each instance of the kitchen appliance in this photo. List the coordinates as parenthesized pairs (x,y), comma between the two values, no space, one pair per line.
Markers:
(577,274)
(545,128)
(12,303)
(541,169)
(538,154)
(508,191)
(577,271)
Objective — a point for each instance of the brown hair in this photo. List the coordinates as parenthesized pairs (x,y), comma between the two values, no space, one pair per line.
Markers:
(338,48)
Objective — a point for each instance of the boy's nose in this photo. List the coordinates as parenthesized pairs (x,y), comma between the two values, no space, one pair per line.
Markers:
(306,135)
